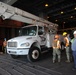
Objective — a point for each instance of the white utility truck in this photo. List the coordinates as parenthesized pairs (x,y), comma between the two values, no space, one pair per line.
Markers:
(33,39)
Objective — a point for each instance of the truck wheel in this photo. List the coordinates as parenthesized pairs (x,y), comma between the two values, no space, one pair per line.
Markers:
(34,54)
(15,56)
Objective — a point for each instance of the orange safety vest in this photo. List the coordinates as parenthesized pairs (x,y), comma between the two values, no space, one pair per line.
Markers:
(56,44)
(4,43)
(66,41)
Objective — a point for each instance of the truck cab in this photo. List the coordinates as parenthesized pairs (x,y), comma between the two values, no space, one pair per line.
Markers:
(30,41)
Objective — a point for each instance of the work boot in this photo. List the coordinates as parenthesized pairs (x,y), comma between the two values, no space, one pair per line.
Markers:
(68,61)
(53,61)
(59,60)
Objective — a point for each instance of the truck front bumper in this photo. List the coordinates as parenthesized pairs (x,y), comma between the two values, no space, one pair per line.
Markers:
(23,51)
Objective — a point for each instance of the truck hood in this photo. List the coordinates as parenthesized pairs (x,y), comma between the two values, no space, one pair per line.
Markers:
(21,38)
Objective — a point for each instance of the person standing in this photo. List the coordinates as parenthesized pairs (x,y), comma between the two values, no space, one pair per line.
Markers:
(73,46)
(66,42)
(4,46)
(56,47)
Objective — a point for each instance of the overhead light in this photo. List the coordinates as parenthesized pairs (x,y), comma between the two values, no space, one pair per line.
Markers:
(56,20)
(48,17)
(64,22)
(46,5)
(62,12)
(75,8)
(71,16)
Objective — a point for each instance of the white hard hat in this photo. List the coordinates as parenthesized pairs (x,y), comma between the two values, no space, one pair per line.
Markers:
(74,32)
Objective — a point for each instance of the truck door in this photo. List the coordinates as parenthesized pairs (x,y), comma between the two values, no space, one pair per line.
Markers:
(42,35)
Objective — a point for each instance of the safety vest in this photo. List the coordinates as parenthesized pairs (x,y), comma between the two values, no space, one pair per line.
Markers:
(72,40)
(56,44)
(66,40)
(4,43)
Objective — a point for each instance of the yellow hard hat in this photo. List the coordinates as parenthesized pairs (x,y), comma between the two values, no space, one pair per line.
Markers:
(64,33)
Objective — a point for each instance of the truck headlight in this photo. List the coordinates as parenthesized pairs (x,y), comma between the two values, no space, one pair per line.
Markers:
(25,44)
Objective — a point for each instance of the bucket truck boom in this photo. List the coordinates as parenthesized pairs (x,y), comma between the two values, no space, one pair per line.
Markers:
(33,38)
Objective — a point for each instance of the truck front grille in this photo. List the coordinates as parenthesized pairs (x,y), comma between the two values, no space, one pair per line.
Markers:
(12,44)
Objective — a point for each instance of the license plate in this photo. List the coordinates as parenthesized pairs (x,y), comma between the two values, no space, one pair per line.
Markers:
(12,52)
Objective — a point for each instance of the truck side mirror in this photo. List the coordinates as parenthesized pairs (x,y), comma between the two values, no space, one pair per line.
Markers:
(40,32)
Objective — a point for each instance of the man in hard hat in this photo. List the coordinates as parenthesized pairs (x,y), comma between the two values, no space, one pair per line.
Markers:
(66,42)
(56,47)
(73,46)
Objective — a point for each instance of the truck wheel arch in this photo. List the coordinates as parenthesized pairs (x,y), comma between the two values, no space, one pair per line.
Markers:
(34,52)
(36,44)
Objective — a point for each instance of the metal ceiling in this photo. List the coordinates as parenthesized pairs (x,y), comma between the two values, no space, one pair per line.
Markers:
(53,11)
(10,2)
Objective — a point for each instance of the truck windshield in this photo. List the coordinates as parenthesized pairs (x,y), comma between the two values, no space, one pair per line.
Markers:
(28,31)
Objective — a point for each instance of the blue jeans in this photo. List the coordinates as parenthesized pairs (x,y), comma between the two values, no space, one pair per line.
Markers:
(74,56)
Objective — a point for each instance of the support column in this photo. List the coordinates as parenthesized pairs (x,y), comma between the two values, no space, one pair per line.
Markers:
(12,32)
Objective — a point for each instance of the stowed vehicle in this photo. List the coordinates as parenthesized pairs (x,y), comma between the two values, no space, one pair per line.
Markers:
(30,42)
(33,38)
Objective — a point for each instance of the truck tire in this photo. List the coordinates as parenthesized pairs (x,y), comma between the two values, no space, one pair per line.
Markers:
(15,56)
(34,54)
